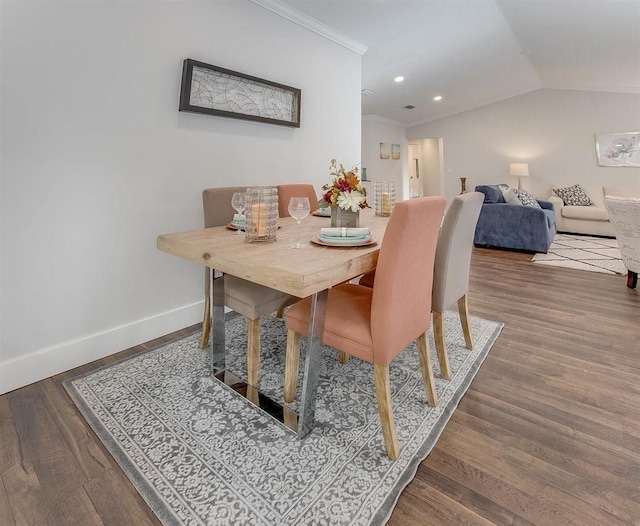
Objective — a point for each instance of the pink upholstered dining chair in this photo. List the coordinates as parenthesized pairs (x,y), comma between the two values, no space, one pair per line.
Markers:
(377,324)
(287,191)
(246,298)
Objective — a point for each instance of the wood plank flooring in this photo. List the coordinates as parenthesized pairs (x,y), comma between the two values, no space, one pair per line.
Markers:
(548,433)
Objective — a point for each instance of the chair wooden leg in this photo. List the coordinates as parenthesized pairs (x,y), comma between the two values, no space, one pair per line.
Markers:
(385,408)
(253,351)
(291,366)
(463,310)
(441,346)
(427,370)
(253,394)
(206,320)
(632,279)
(280,312)
(344,357)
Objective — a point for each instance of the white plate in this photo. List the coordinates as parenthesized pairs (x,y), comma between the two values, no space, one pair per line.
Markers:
(322,242)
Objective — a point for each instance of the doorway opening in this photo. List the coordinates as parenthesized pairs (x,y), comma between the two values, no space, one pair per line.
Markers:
(426,166)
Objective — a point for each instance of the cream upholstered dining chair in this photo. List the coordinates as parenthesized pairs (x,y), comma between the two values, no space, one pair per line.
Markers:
(451,270)
(376,324)
(246,298)
(287,191)
(624,214)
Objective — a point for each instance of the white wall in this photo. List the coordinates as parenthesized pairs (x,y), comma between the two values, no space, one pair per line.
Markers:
(96,161)
(552,130)
(375,131)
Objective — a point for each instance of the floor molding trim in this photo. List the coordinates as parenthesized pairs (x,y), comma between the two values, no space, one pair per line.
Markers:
(46,362)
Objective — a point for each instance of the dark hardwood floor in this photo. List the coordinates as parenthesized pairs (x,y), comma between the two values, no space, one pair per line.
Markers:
(548,433)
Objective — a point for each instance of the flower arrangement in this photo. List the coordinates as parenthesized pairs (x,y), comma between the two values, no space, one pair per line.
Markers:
(345,190)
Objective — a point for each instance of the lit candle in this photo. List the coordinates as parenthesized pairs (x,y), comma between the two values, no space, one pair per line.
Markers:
(386,203)
(258,213)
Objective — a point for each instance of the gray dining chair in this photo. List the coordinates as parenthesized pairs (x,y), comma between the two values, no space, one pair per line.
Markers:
(451,270)
(244,297)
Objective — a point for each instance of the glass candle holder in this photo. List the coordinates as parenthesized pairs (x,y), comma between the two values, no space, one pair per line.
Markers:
(261,223)
(385,197)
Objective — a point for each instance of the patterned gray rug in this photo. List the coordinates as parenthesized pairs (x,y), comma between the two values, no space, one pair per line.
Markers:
(199,453)
(596,254)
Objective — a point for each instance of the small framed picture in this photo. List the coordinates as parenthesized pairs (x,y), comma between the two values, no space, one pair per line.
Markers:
(395,151)
(384,150)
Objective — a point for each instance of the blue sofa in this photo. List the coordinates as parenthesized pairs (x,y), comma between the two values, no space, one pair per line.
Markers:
(514,226)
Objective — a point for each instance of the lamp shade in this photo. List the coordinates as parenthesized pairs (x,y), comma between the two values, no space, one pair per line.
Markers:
(519,169)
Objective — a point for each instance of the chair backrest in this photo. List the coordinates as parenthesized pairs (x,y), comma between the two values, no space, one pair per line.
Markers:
(401,301)
(453,251)
(216,204)
(287,191)
(624,214)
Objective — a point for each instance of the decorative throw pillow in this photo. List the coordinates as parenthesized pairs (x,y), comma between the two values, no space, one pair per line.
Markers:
(510,195)
(492,193)
(527,199)
(573,195)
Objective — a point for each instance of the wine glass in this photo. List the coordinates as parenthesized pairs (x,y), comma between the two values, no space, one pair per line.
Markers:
(416,192)
(239,202)
(299,208)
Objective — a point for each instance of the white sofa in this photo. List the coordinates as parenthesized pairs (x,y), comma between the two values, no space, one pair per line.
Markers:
(591,220)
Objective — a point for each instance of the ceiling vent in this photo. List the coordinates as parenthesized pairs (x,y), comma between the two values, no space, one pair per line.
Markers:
(367,92)
(409,106)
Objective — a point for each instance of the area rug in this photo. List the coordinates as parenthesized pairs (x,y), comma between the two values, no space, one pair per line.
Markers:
(596,254)
(199,453)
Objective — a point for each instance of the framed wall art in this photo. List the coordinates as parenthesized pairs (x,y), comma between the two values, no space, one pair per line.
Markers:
(618,149)
(213,90)
(395,151)
(384,150)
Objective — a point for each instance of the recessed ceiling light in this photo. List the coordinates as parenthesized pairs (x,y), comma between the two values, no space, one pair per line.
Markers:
(437,97)
(399,79)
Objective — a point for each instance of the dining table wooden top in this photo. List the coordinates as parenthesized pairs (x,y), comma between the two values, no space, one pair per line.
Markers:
(299,272)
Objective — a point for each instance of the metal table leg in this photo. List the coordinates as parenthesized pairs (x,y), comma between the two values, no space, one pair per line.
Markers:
(217,348)
(217,345)
(312,363)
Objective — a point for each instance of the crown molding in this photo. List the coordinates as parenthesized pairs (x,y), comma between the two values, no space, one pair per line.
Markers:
(297,17)
(585,86)
(383,120)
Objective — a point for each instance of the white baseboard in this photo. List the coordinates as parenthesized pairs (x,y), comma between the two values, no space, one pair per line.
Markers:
(43,363)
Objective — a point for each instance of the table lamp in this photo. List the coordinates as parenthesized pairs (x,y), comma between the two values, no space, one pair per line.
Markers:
(519,170)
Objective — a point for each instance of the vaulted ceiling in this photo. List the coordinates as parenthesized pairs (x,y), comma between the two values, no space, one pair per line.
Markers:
(475,52)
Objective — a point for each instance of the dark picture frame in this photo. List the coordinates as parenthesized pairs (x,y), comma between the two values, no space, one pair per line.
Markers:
(213,90)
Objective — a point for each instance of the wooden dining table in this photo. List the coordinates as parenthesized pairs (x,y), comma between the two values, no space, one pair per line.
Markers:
(309,271)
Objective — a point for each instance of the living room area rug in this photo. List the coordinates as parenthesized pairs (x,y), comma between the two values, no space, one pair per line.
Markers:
(200,453)
(596,254)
